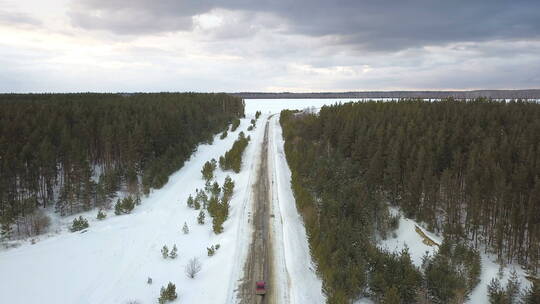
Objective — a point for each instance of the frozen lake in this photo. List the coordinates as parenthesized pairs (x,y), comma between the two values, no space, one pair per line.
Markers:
(277,105)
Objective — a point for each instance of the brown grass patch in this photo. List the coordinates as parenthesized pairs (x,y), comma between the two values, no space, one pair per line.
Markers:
(532,279)
(425,239)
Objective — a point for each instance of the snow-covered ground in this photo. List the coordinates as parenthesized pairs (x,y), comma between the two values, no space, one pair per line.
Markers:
(110,263)
(271,106)
(490,270)
(406,236)
(295,269)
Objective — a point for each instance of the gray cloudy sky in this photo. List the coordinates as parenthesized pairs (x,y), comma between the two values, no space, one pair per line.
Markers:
(268,45)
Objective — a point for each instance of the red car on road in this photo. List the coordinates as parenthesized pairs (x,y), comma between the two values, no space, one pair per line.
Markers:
(260,288)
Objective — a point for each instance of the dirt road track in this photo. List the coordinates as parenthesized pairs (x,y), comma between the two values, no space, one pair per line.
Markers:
(259,261)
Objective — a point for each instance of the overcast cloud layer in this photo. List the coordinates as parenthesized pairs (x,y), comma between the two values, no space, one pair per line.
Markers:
(278,45)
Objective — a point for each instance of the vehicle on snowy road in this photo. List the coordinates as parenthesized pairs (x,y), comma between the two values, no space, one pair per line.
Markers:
(260,288)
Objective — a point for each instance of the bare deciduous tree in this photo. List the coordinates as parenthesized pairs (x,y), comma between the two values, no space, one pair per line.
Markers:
(193,267)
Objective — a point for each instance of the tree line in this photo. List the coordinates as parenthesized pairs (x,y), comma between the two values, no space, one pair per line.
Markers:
(468,169)
(75,151)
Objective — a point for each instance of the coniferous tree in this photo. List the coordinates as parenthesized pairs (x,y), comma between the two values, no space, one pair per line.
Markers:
(208,170)
(174,252)
(215,190)
(190,202)
(453,165)
(79,224)
(532,294)
(167,294)
(235,124)
(72,139)
(228,188)
(185,228)
(165,251)
(101,215)
(201,217)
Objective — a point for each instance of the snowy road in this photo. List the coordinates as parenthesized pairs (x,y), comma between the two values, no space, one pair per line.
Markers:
(279,251)
(258,265)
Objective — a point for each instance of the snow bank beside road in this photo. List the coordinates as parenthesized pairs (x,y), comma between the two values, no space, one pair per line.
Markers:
(294,266)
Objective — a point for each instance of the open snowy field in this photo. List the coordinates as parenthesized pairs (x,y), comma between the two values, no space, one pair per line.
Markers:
(271,106)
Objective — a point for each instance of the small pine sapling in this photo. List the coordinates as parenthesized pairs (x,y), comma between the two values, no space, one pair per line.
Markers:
(211,250)
(185,229)
(118,207)
(5,230)
(174,252)
(167,294)
(79,224)
(165,251)
(200,218)
(101,215)
(216,189)
(217,225)
(190,201)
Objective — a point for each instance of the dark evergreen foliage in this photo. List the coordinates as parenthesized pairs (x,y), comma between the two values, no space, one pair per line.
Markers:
(124,206)
(232,160)
(79,224)
(201,217)
(452,273)
(235,124)
(101,215)
(167,294)
(469,169)
(532,294)
(53,142)
(208,170)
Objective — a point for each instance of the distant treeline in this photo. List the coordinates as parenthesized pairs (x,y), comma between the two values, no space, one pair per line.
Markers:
(470,170)
(74,151)
(496,94)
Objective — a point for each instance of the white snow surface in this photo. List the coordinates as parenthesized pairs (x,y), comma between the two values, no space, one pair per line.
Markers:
(295,270)
(270,106)
(490,270)
(406,236)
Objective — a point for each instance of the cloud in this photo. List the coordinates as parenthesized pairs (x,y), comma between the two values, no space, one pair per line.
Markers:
(240,45)
(19,19)
(368,24)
